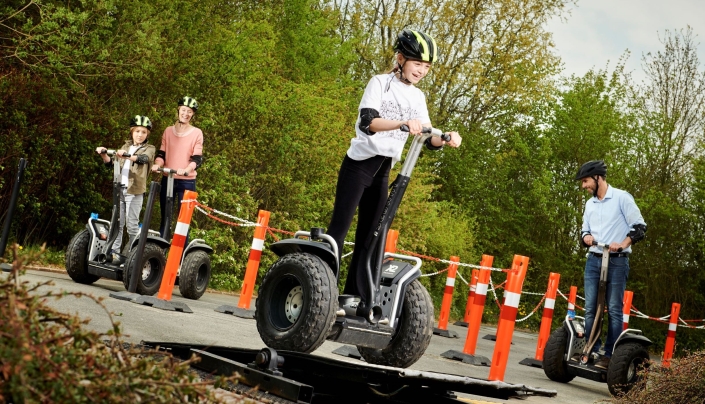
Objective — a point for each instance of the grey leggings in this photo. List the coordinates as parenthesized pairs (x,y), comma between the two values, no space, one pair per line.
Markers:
(130,207)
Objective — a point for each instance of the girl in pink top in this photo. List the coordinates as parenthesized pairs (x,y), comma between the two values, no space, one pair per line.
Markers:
(182,150)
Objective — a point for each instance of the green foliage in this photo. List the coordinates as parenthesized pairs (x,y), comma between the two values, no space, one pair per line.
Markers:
(682,382)
(48,356)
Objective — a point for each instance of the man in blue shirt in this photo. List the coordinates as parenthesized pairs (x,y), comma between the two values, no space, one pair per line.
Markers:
(611,217)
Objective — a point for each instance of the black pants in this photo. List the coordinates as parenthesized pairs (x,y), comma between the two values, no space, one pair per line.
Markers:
(361,184)
(179,187)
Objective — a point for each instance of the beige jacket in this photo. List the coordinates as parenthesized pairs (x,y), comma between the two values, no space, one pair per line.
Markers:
(137,180)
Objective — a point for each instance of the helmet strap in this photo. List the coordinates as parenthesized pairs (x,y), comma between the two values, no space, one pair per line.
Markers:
(597,185)
(400,69)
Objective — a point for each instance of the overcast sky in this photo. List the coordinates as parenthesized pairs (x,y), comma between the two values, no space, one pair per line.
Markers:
(598,31)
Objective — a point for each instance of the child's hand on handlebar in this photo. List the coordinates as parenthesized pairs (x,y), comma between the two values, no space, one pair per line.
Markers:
(120,153)
(182,171)
(455,139)
(415,127)
(100,150)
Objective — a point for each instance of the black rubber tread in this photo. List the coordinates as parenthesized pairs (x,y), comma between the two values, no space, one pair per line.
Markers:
(320,302)
(151,285)
(413,332)
(554,365)
(195,274)
(623,356)
(77,258)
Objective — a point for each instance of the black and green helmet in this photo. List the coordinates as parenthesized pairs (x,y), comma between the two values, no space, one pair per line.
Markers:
(189,102)
(141,120)
(416,45)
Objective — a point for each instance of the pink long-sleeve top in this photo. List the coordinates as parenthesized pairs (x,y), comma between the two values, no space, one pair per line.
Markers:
(179,149)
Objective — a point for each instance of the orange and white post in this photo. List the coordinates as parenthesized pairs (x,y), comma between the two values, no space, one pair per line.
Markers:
(547,318)
(478,305)
(447,300)
(248,284)
(628,295)
(390,245)
(471,296)
(507,318)
(177,245)
(671,336)
(571,297)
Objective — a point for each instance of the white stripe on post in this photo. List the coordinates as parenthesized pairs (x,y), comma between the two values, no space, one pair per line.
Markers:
(257,244)
(450,282)
(550,303)
(511,299)
(672,327)
(481,289)
(181,229)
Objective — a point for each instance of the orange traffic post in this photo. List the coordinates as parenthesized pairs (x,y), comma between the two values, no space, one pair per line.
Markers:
(671,337)
(248,283)
(442,328)
(176,250)
(507,318)
(475,319)
(571,299)
(390,245)
(471,295)
(628,295)
(546,321)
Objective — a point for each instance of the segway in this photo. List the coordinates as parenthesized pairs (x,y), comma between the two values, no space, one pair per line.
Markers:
(89,257)
(568,350)
(298,306)
(195,270)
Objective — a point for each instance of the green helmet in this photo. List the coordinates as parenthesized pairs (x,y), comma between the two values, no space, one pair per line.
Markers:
(141,120)
(416,45)
(189,102)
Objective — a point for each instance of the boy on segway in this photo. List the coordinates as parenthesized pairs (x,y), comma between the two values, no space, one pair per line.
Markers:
(611,217)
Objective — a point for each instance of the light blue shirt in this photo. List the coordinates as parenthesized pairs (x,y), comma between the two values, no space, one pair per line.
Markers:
(612,218)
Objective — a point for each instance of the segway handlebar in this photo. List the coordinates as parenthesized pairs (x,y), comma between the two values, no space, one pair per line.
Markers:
(432,131)
(166,170)
(111,153)
(603,245)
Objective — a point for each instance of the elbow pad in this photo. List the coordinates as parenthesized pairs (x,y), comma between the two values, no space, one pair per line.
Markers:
(160,154)
(198,160)
(142,159)
(366,117)
(638,233)
(430,146)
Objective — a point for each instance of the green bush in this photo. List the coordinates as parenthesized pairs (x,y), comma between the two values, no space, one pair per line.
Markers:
(683,382)
(48,357)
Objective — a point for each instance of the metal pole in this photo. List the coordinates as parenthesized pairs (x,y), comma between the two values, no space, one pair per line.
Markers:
(11,209)
(136,270)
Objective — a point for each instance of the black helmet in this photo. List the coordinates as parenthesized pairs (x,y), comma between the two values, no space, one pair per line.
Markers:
(189,102)
(416,45)
(591,169)
(141,120)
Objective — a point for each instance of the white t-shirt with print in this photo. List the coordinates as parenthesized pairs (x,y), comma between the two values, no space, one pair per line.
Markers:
(393,100)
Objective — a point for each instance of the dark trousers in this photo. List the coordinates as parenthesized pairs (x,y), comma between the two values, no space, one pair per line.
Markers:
(361,184)
(179,187)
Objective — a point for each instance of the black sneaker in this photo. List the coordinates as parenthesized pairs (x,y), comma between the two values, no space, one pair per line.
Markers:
(603,363)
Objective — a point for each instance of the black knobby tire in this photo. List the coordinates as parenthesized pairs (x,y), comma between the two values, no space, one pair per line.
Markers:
(413,331)
(77,258)
(195,274)
(296,303)
(623,372)
(152,269)
(554,364)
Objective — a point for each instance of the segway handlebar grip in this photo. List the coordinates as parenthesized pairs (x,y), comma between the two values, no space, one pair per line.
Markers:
(166,170)
(603,245)
(425,129)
